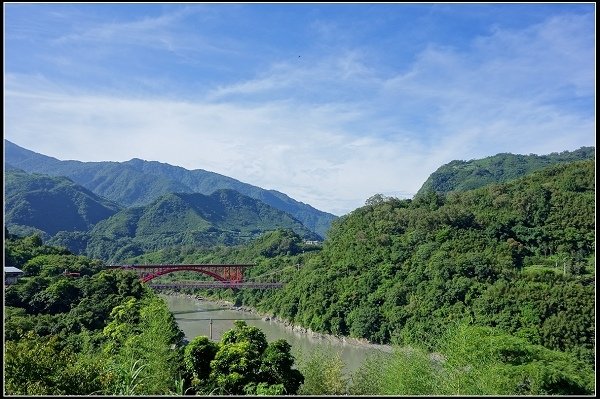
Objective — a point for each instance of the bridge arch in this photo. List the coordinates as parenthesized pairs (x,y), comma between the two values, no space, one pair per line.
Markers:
(162,272)
(222,273)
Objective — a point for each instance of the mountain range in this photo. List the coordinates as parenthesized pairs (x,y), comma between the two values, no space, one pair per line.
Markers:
(118,210)
(137,182)
(180,220)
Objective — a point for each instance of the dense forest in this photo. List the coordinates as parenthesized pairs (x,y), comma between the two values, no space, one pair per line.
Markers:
(224,217)
(72,328)
(138,182)
(500,168)
(68,215)
(517,257)
(33,201)
(104,333)
(498,282)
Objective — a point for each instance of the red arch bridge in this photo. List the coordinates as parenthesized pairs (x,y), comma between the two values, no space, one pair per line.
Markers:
(225,276)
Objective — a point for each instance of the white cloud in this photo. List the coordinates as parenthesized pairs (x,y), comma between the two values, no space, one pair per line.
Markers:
(331,131)
(319,78)
(511,92)
(299,151)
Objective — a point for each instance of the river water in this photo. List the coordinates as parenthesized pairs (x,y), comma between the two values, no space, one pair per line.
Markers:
(194,318)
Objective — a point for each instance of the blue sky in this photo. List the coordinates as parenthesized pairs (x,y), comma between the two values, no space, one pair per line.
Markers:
(328,103)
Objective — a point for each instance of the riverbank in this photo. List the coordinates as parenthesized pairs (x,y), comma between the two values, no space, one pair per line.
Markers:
(287,325)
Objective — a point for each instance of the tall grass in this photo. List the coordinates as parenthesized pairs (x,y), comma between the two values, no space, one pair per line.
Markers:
(473,360)
(323,371)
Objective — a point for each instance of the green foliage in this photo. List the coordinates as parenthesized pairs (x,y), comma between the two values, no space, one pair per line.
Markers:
(37,366)
(100,333)
(399,271)
(545,309)
(56,264)
(264,389)
(129,380)
(36,200)
(323,374)
(137,182)
(277,369)
(19,250)
(472,360)
(242,363)
(517,257)
(277,243)
(500,168)
(483,360)
(197,357)
(145,347)
(225,217)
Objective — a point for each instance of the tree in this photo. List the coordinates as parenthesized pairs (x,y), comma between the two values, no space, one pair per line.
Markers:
(197,357)
(375,199)
(324,374)
(276,367)
(35,365)
(243,363)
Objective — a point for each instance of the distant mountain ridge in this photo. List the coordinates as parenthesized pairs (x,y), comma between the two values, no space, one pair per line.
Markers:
(138,182)
(51,204)
(181,219)
(500,168)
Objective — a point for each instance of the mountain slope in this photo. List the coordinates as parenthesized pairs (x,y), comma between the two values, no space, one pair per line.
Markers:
(52,204)
(500,168)
(518,256)
(138,182)
(224,217)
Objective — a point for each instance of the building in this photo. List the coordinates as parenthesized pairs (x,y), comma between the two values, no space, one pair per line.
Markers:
(11,275)
(312,242)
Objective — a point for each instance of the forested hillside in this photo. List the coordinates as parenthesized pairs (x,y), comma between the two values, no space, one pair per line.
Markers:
(500,168)
(98,332)
(517,256)
(51,204)
(498,282)
(224,217)
(138,182)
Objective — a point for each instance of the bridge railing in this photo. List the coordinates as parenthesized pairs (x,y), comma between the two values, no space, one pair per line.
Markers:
(215,284)
(225,275)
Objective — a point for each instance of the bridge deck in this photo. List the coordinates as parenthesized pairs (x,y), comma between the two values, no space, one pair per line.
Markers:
(135,266)
(214,284)
(226,275)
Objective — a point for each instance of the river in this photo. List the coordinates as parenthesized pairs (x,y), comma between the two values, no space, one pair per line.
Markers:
(194,318)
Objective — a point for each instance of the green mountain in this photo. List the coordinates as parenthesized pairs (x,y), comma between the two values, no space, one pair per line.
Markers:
(138,182)
(181,219)
(517,256)
(35,202)
(400,269)
(500,168)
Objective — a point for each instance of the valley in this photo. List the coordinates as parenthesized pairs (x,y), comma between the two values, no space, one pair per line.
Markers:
(508,262)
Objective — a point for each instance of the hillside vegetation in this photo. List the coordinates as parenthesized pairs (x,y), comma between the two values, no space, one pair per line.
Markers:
(517,256)
(51,204)
(500,168)
(138,182)
(224,217)
(98,332)
(498,282)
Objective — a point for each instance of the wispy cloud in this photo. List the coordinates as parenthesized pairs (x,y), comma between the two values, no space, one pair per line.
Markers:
(142,31)
(300,151)
(313,78)
(330,128)
(512,90)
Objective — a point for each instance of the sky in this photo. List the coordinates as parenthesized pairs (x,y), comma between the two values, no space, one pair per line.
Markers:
(327,103)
